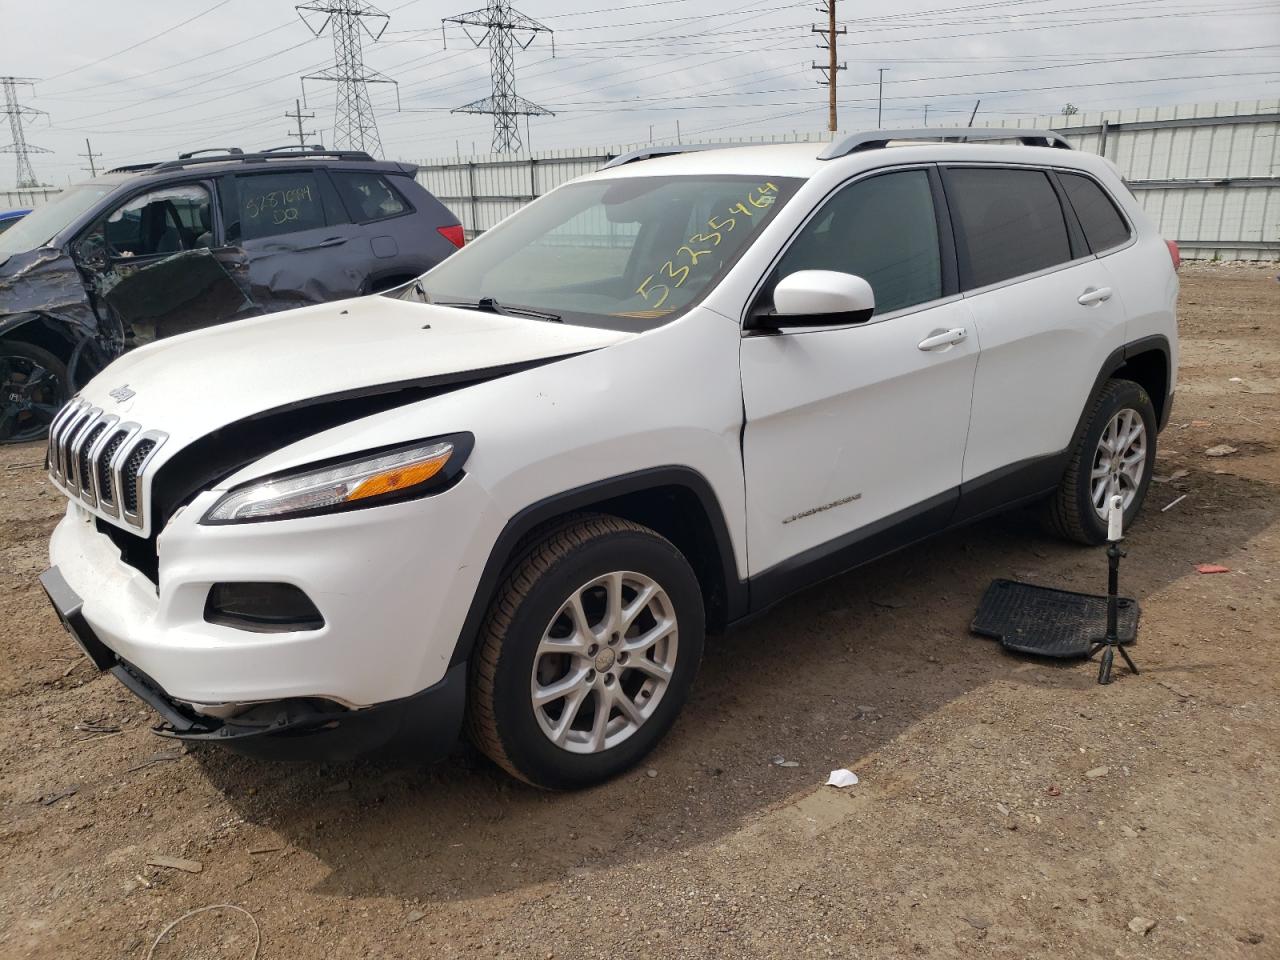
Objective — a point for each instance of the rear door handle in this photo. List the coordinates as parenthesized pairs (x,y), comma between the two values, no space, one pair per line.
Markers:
(944,338)
(1094,295)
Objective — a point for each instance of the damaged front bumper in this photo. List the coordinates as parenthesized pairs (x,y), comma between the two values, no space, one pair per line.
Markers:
(426,724)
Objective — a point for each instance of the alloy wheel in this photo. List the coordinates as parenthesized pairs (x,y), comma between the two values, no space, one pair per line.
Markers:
(30,397)
(1119,461)
(604,662)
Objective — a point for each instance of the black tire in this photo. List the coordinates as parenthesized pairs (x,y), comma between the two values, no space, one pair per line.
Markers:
(501,718)
(1070,512)
(27,408)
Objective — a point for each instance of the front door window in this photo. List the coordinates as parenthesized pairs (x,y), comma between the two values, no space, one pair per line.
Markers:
(165,221)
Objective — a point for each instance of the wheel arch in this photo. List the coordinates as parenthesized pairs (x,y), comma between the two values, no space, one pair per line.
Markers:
(1148,363)
(59,336)
(676,502)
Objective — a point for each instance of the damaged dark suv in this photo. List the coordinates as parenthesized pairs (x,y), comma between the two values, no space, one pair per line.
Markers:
(152,250)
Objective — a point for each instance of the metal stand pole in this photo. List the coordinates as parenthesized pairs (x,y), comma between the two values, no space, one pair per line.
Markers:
(1111,642)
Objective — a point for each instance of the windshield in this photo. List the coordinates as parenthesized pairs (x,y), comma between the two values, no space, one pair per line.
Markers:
(45,222)
(627,253)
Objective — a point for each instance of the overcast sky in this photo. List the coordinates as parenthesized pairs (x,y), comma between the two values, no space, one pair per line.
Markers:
(145,80)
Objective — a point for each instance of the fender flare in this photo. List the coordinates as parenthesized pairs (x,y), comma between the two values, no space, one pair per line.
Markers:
(1117,358)
(582,498)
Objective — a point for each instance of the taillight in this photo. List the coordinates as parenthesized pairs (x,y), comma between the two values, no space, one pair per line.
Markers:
(1174,255)
(453,234)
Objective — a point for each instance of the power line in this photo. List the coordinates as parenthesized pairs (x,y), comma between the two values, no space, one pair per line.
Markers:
(26,175)
(505,28)
(134,46)
(355,127)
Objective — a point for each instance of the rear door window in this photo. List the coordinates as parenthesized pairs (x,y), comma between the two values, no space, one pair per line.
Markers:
(1009,223)
(368,196)
(271,204)
(1103,225)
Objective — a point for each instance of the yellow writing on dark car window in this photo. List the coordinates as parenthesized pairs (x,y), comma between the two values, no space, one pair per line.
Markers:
(280,205)
(655,289)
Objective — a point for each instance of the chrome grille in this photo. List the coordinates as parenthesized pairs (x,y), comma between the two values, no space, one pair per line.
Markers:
(95,457)
(129,475)
(102,467)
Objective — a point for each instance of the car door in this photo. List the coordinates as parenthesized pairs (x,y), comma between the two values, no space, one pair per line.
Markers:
(855,435)
(301,245)
(159,262)
(1047,314)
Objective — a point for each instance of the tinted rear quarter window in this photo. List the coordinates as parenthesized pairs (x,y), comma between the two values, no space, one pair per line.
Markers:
(368,196)
(1103,225)
(1009,223)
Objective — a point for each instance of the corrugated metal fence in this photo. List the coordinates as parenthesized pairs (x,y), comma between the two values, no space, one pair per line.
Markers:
(26,199)
(1208,174)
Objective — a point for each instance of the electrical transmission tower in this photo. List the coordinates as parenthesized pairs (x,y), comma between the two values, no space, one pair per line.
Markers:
(26,175)
(354,127)
(504,30)
(832,66)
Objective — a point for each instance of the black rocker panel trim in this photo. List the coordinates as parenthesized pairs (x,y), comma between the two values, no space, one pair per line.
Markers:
(1010,486)
(583,498)
(830,559)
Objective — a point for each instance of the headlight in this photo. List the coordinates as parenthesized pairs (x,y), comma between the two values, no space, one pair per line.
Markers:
(372,478)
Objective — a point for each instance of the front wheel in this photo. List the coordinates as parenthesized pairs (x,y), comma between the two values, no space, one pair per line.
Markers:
(1116,454)
(33,388)
(587,654)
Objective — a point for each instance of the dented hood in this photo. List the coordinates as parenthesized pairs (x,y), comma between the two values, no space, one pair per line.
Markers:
(190,385)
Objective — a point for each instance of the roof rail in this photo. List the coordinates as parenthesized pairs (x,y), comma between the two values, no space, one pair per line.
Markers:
(190,160)
(309,147)
(650,153)
(875,139)
(133,167)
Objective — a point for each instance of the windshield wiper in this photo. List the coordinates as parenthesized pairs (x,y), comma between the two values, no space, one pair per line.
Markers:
(490,305)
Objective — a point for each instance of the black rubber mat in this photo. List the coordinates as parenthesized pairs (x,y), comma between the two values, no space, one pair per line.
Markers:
(1048,622)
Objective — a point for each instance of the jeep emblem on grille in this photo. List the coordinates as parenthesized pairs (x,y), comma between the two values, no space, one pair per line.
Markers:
(121,394)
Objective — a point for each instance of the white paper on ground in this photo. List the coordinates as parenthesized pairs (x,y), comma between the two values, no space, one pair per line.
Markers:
(841,778)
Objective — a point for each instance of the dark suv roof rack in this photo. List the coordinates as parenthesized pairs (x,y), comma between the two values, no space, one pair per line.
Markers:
(236,155)
(876,139)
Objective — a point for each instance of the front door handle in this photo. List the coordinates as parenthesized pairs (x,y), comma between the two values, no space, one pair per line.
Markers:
(1094,295)
(944,338)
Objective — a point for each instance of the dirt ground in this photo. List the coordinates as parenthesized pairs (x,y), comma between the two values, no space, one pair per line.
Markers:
(1007,807)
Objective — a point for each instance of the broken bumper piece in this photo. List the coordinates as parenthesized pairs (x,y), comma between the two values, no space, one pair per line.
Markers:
(427,723)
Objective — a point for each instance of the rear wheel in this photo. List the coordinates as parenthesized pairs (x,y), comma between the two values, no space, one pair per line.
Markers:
(587,654)
(1116,454)
(33,388)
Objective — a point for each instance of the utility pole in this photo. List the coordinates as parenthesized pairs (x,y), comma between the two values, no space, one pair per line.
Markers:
(926,114)
(975,112)
(503,28)
(300,116)
(832,66)
(90,156)
(26,176)
(354,127)
(880,102)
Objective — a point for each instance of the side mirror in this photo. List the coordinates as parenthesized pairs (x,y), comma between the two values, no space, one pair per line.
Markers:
(811,298)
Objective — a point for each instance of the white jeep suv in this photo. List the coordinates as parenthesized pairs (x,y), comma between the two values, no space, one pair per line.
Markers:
(516,494)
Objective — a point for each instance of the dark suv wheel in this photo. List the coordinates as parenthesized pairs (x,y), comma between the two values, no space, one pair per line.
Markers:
(587,654)
(33,388)
(1115,453)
